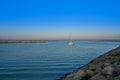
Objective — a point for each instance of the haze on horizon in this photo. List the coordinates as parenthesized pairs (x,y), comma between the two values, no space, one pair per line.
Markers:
(55,19)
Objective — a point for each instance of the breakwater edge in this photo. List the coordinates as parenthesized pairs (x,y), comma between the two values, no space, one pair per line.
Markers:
(104,67)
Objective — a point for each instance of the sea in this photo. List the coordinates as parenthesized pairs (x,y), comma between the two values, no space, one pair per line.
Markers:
(49,60)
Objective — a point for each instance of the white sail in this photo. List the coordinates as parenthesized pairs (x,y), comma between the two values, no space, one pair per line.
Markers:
(70,41)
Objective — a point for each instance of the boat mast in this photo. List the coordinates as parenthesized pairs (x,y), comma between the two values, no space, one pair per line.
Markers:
(70,41)
(70,37)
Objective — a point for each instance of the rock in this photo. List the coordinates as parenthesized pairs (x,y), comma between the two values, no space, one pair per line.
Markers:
(98,70)
(109,77)
(117,70)
(117,78)
(89,72)
(68,77)
(78,75)
(108,70)
(107,64)
(98,77)
(92,67)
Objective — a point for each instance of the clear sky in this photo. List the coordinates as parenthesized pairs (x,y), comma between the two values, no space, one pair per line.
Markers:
(55,19)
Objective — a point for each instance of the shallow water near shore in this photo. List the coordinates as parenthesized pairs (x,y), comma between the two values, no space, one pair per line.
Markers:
(49,60)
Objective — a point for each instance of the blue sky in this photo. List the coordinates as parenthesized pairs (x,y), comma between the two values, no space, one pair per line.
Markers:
(55,19)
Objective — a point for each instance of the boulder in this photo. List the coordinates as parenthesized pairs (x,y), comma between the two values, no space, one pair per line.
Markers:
(108,70)
(98,77)
(117,78)
(78,75)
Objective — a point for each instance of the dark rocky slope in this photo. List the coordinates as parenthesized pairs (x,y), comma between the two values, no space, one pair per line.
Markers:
(105,67)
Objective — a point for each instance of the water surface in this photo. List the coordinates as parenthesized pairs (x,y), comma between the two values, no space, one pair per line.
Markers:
(47,61)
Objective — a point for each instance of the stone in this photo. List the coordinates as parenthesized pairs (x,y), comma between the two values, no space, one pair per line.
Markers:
(108,70)
(117,70)
(98,77)
(78,75)
(89,72)
(92,67)
(68,77)
(117,78)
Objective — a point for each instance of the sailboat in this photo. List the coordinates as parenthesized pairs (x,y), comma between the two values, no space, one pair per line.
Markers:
(70,43)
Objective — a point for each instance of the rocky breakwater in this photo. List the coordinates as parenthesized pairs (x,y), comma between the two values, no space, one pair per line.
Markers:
(105,67)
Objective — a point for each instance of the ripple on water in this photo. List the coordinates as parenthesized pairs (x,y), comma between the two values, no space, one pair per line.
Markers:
(47,61)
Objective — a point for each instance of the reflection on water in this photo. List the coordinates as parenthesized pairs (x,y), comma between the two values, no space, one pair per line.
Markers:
(70,49)
(47,61)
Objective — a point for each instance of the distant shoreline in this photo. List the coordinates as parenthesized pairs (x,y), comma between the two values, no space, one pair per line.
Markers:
(42,41)
(21,41)
(105,40)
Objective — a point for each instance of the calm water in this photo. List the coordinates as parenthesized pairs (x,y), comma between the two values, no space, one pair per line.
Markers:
(47,61)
